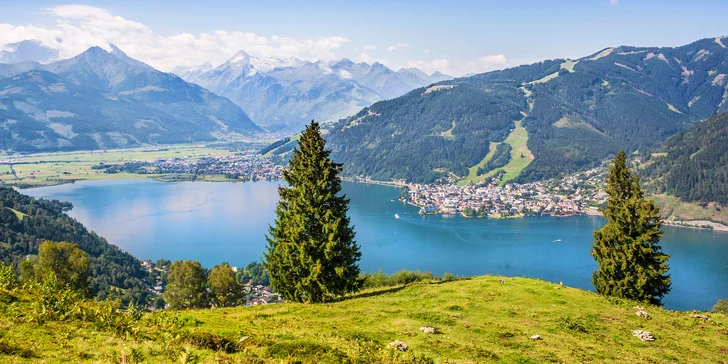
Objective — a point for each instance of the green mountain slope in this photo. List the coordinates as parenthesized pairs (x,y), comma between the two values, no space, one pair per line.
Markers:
(476,320)
(693,165)
(26,222)
(578,112)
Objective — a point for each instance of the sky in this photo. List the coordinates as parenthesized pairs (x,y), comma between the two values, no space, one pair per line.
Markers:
(456,37)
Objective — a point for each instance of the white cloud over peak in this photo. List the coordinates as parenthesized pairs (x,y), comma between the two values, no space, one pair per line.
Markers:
(364,57)
(79,27)
(461,68)
(397,46)
(369,47)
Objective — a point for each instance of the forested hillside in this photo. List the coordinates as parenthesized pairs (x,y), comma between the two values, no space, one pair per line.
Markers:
(576,113)
(26,222)
(693,165)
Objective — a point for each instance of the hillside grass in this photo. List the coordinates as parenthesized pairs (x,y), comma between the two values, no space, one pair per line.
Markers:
(477,320)
(518,140)
(20,215)
(472,176)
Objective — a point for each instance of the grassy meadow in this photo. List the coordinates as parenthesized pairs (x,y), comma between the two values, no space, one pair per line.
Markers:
(476,320)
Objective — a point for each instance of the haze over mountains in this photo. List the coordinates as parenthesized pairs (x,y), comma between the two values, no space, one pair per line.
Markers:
(101,99)
(576,113)
(284,94)
(27,50)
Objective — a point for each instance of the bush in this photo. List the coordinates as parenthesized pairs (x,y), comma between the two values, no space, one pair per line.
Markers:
(402,277)
(206,340)
(8,279)
(721,306)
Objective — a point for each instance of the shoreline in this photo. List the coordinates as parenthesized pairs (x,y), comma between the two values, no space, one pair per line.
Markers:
(690,224)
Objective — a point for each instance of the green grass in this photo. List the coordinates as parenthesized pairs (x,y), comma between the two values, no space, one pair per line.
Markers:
(546,78)
(569,65)
(18,214)
(477,320)
(518,139)
(447,134)
(473,171)
(44,169)
(673,108)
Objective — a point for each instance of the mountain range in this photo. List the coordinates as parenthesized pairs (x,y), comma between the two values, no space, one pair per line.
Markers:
(575,114)
(27,50)
(104,99)
(284,94)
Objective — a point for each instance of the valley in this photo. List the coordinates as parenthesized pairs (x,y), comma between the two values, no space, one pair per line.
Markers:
(365,182)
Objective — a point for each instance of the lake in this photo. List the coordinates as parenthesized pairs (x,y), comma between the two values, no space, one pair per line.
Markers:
(217,222)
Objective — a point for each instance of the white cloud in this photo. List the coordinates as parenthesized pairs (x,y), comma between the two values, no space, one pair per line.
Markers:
(613,2)
(460,68)
(79,27)
(344,74)
(369,47)
(365,58)
(398,46)
(427,51)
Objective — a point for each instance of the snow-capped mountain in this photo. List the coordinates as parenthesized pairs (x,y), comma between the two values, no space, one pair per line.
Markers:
(104,99)
(283,94)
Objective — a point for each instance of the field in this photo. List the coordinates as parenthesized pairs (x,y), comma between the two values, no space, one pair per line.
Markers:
(476,320)
(44,169)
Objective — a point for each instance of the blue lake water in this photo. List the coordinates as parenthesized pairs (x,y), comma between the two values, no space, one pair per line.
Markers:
(216,222)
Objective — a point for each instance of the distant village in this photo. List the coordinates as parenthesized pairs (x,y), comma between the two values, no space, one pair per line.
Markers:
(254,294)
(578,194)
(243,166)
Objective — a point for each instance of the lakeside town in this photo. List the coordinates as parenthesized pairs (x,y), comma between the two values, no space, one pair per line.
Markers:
(578,194)
(248,166)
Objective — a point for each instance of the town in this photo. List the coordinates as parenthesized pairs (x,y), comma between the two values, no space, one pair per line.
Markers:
(578,194)
(246,166)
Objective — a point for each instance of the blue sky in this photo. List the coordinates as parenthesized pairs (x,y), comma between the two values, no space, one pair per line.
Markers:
(451,36)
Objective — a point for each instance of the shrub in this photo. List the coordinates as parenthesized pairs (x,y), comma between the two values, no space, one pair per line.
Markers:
(8,279)
(402,277)
(207,340)
(721,306)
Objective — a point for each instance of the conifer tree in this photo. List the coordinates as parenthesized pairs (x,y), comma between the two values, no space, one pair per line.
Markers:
(311,253)
(631,262)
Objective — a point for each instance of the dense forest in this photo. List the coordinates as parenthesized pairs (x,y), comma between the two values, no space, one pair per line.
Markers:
(577,113)
(692,165)
(26,222)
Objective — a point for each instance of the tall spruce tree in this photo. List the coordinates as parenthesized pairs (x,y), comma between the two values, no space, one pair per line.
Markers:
(311,253)
(631,262)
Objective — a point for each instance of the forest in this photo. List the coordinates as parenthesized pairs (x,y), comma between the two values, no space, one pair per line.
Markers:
(26,222)
(692,165)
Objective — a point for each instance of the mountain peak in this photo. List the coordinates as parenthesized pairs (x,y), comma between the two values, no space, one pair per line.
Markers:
(239,57)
